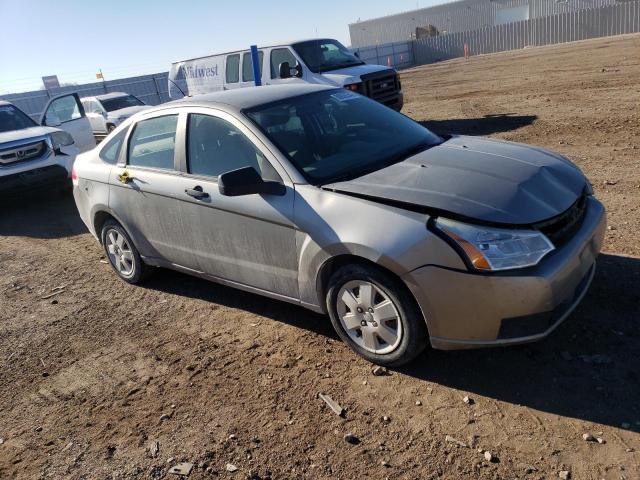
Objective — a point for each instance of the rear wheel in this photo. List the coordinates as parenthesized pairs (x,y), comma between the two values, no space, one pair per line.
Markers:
(122,253)
(375,315)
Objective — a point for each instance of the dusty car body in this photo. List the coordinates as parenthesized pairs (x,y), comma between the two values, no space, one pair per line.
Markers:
(457,241)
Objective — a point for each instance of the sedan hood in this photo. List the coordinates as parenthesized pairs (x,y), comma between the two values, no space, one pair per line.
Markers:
(477,178)
(25,133)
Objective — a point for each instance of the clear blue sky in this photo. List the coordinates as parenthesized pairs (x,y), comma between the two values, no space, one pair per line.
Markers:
(75,38)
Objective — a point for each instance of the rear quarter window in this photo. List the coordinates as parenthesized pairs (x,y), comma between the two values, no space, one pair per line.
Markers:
(110,152)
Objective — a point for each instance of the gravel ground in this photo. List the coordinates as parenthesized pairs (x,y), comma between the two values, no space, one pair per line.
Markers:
(108,380)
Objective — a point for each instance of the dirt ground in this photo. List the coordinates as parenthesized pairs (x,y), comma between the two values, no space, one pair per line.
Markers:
(93,377)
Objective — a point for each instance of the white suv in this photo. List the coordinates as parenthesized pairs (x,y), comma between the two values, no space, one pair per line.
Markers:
(106,112)
(41,156)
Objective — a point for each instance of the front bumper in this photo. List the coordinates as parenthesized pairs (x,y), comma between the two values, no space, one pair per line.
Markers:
(469,310)
(43,178)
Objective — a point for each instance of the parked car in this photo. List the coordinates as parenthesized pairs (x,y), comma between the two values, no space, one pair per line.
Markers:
(324,198)
(36,156)
(106,112)
(318,61)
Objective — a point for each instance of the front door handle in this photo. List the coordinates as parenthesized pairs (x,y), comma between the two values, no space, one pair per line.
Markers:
(196,192)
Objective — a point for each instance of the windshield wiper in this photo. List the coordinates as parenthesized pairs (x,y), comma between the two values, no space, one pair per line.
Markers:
(397,158)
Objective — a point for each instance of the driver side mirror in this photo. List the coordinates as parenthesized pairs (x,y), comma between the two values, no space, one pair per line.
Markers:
(286,71)
(247,181)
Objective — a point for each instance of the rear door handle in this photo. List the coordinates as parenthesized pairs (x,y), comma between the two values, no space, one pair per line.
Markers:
(196,192)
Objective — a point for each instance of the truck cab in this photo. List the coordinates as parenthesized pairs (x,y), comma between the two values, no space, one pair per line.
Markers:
(317,61)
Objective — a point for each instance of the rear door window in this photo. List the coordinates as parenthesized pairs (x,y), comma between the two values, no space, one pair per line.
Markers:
(152,143)
(247,66)
(232,70)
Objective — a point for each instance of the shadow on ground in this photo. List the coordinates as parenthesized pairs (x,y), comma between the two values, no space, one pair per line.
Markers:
(41,215)
(589,368)
(487,125)
(176,283)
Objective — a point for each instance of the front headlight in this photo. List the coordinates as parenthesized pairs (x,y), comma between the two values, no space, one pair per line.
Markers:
(493,249)
(60,139)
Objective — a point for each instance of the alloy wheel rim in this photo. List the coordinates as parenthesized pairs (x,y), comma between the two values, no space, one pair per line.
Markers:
(120,254)
(369,317)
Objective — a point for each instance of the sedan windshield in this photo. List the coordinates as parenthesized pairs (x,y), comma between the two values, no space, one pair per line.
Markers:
(336,135)
(117,103)
(325,55)
(12,118)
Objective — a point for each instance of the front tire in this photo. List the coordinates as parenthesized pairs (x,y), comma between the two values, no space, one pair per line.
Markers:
(122,254)
(375,315)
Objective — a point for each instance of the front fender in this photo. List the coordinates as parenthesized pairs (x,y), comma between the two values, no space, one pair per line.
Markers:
(332,224)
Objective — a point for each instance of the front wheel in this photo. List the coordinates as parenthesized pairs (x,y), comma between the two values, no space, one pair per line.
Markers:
(122,253)
(375,315)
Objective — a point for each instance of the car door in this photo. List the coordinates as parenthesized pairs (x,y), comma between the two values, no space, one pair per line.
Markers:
(145,192)
(247,240)
(67,113)
(278,56)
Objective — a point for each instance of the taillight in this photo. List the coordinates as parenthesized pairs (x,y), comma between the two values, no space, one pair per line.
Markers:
(74,177)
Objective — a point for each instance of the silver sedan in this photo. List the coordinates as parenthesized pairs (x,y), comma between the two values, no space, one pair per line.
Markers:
(324,198)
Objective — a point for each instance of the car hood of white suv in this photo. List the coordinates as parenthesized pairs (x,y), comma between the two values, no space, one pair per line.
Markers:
(477,179)
(127,112)
(349,75)
(25,133)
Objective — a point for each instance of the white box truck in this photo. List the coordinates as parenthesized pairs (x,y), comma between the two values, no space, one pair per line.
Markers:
(322,61)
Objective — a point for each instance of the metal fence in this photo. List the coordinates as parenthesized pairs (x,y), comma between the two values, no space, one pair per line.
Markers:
(565,27)
(460,16)
(396,55)
(151,89)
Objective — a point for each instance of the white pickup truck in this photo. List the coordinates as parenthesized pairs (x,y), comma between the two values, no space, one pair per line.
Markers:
(41,156)
(319,61)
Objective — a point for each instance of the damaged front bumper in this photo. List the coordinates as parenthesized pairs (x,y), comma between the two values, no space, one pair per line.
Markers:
(468,310)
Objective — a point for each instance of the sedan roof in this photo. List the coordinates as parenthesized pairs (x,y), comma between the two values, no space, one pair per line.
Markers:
(241,98)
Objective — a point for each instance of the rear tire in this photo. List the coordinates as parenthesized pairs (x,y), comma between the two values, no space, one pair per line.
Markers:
(374,313)
(122,254)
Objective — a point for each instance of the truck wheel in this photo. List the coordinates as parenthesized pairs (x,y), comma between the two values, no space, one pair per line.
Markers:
(122,253)
(375,315)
